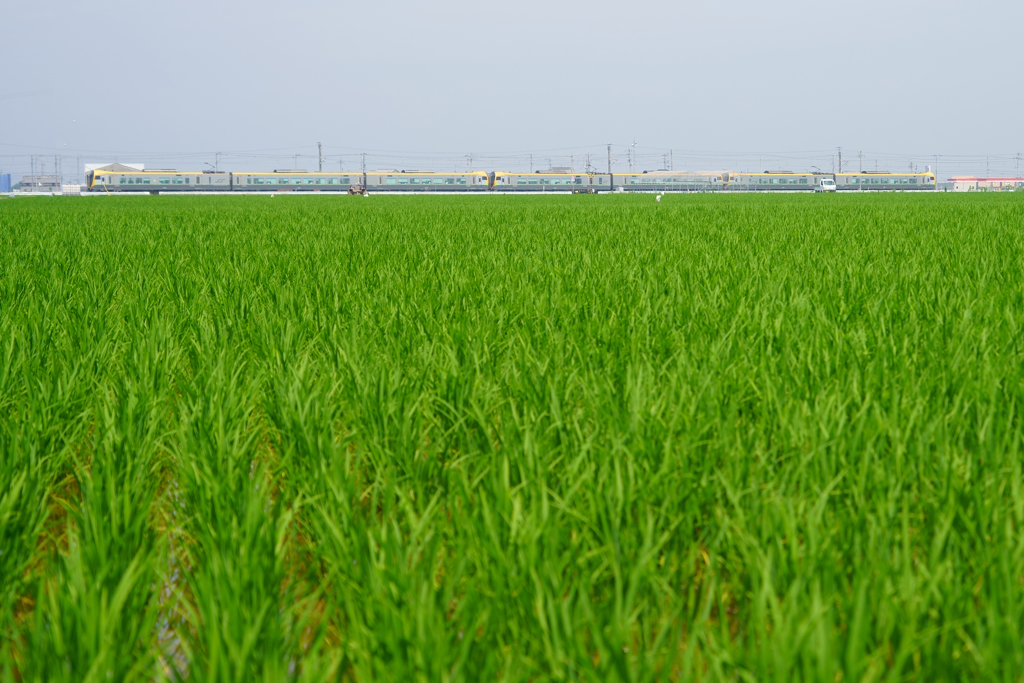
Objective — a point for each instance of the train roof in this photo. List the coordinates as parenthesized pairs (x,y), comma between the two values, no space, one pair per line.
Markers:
(291,173)
(884,173)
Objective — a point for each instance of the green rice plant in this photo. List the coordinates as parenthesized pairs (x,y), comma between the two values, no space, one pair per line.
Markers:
(514,438)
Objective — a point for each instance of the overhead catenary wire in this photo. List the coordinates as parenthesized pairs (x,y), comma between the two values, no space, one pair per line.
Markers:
(17,158)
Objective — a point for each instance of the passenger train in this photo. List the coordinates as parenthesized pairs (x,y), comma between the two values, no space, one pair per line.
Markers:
(160,181)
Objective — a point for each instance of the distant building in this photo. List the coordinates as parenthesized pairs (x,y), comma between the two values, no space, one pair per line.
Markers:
(5,182)
(40,183)
(115,168)
(965,184)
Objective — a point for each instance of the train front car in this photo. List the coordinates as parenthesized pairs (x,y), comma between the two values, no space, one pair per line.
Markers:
(672,181)
(157,181)
(539,181)
(869,181)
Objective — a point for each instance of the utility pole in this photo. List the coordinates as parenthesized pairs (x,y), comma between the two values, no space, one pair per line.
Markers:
(634,153)
(986,167)
(671,161)
(572,163)
(531,163)
(1018,165)
(840,159)
(320,157)
(860,157)
(609,158)
(364,163)
(470,157)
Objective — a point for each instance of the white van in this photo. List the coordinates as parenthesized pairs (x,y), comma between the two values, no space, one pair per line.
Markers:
(825,185)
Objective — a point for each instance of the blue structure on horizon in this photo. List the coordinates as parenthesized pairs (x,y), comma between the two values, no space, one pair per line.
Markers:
(5,182)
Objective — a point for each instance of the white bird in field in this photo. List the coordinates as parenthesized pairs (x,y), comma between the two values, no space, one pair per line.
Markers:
(658,199)
(271,196)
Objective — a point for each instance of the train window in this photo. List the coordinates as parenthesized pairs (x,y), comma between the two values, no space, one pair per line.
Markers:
(165,181)
(460,181)
(414,181)
(913,181)
(390,181)
(531,181)
(403,181)
(803,181)
(600,181)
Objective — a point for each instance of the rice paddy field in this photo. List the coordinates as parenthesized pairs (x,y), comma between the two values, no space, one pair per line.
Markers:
(723,438)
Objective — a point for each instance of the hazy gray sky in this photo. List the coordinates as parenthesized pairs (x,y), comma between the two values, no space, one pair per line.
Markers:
(421,80)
